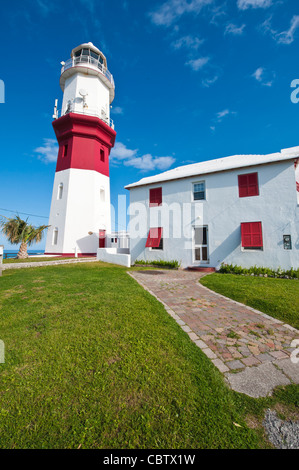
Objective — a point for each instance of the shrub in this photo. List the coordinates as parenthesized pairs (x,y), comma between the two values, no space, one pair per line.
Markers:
(259,271)
(172,264)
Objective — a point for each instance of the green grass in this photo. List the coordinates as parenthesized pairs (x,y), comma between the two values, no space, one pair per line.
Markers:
(33,259)
(276,297)
(93,360)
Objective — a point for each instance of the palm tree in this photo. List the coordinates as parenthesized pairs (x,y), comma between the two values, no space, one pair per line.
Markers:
(19,231)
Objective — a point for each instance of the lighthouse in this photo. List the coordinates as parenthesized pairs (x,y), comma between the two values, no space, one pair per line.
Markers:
(80,208)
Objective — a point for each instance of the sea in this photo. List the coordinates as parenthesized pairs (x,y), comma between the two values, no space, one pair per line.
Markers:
(13,253)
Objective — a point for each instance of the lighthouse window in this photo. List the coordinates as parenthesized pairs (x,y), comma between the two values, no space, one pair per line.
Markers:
(102,154)
(55,236)
(65,148)
(85,51)
(60,191)
(94,55)
(78,53)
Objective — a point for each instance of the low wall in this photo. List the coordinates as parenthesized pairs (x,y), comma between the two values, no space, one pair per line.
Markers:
(110,255)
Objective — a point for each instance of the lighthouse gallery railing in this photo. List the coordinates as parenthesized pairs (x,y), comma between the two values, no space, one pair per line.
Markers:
(85,60)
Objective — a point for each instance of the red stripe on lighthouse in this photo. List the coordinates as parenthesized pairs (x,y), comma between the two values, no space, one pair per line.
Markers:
(85,143)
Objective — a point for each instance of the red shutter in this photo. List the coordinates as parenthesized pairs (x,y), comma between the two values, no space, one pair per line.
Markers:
(155,198)
(154,238)
(248,185)
(242,185)
(252,235)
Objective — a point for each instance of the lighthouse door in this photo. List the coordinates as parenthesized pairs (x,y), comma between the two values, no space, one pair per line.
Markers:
(102,238)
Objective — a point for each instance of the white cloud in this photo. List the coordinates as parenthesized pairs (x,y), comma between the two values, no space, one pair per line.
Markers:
(44,7)
(245,4)
(287,37)
(197,64)
(117,110)
(48,151)
(222,114)
(207,82)
(189,42)
(263,76)
(171,10)
(121,152)
(258,74)
(235,30)
(149,163)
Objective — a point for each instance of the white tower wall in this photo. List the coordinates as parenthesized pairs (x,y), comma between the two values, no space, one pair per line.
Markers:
(79,186)
(97,99)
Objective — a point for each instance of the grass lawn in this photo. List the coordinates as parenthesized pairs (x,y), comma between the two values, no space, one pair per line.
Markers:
(276,297)
(94,361)
(33,259)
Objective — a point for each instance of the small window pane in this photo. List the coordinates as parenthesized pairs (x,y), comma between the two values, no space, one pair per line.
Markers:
(204,253)
(201,236)
(85,51)
(160,247)
(78,53)
(197,254)
(94,55)
(287,242)
(199,191)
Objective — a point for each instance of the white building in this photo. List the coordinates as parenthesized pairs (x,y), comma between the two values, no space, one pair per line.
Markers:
(242,210)
(80,209)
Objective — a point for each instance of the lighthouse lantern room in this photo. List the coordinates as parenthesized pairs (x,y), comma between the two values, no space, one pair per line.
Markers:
(80,207)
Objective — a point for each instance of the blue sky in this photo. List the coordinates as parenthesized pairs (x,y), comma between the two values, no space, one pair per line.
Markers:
(195,80)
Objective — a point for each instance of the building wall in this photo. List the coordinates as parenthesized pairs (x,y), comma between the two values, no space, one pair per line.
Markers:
(112,255)
(81,209)
(223,211)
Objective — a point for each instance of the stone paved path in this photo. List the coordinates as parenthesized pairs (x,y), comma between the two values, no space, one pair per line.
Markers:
(235,337)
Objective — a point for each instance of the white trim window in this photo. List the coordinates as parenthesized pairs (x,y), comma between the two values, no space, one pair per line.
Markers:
(55,236)
(199,191)
(201,251)
(102,194)
(60,191)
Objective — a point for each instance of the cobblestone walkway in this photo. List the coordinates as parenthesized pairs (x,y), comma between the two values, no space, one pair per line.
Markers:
(233,336)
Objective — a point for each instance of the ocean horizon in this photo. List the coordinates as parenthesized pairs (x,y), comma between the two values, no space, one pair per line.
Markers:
(12,253)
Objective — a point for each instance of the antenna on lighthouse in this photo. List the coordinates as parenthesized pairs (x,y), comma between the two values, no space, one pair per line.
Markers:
(55,115)
(83,93)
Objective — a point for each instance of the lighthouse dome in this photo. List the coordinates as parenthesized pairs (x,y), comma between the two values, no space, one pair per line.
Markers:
(89,60)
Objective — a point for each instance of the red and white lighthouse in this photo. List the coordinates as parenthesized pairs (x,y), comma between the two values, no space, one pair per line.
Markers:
(80,208)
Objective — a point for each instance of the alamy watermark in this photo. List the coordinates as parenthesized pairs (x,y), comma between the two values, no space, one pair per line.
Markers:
(2,92)
(2,352)
(295,93)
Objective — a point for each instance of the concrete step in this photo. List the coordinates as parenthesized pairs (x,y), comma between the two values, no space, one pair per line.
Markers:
(201,269)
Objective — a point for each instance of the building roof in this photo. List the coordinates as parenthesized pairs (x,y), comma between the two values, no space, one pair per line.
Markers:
(218,165)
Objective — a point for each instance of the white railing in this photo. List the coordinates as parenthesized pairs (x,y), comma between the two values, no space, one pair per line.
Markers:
(85,61)
(119,240)
(86,112)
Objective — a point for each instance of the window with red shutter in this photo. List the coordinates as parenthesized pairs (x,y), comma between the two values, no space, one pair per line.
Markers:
(155,197)
(248,185)
(252,235)
(154,239)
